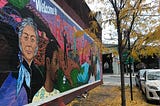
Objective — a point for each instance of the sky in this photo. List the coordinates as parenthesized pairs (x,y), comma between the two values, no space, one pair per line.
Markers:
(107,38)
(108,31)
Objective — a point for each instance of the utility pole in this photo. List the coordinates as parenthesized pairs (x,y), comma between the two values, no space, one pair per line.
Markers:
(129,60)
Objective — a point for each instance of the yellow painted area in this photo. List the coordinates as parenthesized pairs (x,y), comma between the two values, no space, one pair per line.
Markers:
(42,94)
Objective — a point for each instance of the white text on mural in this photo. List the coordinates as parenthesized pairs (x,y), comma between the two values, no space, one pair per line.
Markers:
(41,6)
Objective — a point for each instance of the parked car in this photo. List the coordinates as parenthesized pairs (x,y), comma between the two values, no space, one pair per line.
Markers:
(151,84)
(139,76)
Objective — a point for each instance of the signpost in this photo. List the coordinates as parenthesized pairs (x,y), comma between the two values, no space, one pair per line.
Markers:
(128,60)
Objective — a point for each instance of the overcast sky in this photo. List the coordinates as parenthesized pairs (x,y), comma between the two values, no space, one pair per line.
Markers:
(109,32)
(107,38)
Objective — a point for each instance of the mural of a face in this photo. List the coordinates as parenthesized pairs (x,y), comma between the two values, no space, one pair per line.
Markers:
(54,66)
(28,43)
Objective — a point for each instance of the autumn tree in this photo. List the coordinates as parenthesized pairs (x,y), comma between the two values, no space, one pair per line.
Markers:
(137,20)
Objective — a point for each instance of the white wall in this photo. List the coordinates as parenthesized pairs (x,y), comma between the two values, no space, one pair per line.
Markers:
(116,65)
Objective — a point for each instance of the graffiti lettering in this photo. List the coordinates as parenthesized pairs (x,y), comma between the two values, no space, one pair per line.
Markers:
(42,7)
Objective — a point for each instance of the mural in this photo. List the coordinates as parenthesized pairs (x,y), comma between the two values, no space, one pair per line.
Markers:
(40,54)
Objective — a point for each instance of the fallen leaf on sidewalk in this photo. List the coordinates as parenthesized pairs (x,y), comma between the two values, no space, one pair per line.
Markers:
(107,95)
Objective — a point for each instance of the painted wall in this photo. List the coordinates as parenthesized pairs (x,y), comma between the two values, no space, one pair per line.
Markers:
(44,57)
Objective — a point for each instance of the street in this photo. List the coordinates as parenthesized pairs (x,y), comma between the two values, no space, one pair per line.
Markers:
(112,79)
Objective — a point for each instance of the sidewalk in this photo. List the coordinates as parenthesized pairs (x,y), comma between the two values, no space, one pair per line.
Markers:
(110,95)
(107,95)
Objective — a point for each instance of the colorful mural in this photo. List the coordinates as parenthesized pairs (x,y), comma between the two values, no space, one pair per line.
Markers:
(40,54)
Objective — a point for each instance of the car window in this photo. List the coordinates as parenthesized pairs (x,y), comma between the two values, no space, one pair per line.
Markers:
(144,75)
(153,75)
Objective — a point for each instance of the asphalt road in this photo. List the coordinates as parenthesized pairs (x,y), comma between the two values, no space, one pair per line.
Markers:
(112,79)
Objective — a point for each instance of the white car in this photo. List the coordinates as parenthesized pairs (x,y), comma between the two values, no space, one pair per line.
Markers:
(139,76)
(151,84)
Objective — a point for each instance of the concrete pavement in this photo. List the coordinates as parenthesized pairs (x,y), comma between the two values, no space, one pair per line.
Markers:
(118,75)
(114,79)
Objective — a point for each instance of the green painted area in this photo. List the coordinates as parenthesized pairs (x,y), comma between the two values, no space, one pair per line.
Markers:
(74,75)
(19,3)
(62,84)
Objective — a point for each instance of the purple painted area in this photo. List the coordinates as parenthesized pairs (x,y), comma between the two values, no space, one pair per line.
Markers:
(8,95)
